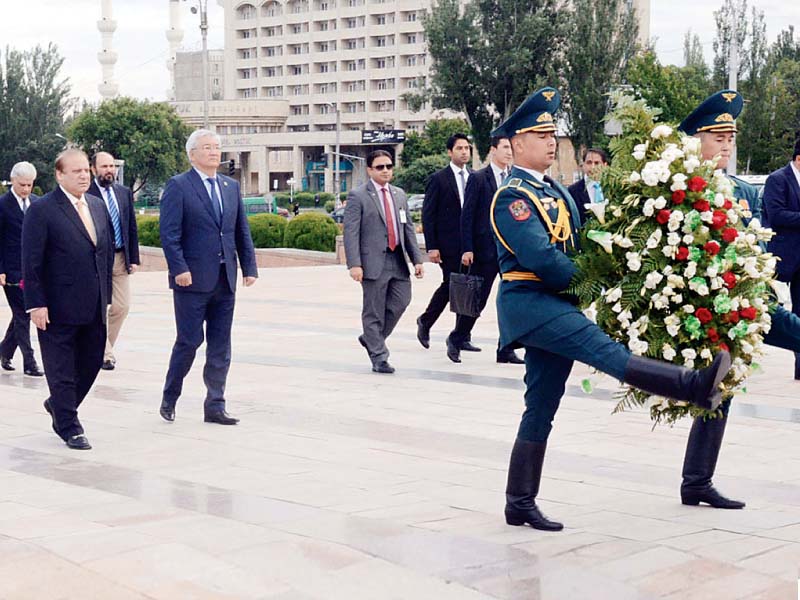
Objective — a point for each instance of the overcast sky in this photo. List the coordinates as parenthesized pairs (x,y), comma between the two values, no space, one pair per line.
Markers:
(142,46)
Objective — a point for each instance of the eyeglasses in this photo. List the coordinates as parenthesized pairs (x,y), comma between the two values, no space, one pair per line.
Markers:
(388,167)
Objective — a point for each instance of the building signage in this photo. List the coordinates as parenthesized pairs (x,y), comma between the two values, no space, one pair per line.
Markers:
(383,136)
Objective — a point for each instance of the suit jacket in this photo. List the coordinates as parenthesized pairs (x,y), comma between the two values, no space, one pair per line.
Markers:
(194,241)
(62,269)
(11,236)
(579,194)
(366,237)
(476,230)
(441,215)
(781,206)
(127,220)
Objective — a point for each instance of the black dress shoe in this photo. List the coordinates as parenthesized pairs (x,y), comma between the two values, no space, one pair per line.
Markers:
(6,364)
(220,417)
(33,371)
(383,367)
(167,411)
(453,351)
(509,358)
(468,347)
(49,410)
(423,334)
(78,442)
(710,496)
(108,365)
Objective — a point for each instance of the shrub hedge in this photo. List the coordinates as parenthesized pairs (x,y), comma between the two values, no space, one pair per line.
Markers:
(267,230)
(148,230)
(311,231)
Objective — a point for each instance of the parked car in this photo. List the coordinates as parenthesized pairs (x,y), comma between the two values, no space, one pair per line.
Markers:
(338,215)
(415,201)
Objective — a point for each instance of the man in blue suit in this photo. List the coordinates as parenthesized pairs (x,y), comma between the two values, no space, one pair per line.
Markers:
(67,256)
(477,240)
(13,206)
(536,222)
(203,229)
(781,205)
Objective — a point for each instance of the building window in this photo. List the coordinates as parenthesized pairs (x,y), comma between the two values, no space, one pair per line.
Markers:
(271,9)
(411,61)
(411,38)
(248,93)
(411,17)
(246,12)
(245,53)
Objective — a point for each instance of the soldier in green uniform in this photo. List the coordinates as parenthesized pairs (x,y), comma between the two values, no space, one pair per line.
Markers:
(714,123)
(535,222)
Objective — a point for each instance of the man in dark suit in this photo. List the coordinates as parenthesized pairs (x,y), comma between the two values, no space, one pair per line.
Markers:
(13,206)
(67,255)
(378,235)
(203,229)
(119,203)
(781,206)
(441,224)
(588,190)
(477,238)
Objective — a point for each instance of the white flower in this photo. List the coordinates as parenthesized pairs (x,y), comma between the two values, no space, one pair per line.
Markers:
(677,298)
(673,324)
(719,200)
(688,239)
(660,202)
(638,347)
(705,353)
(655,239)
(668,352)
(661,131)
(690,270)
(613,295)
(673,239)
(707,216)
(688,353)
(623,242)
(733,216)
(639,151)
(712,271)
(671,153)
(716,283)
(648,208)
(634,177)
(598,209)
(675,281)
(691,145)
(591,312)
(660,301)
(634,260)
(678,182)
(617,307)
(690,164)
(652,280)
(688,308)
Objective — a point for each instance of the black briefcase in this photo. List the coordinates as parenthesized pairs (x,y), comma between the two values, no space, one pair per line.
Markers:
(465,294)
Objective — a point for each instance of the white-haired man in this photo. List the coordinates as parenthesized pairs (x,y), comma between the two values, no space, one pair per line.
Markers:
(203,229)
(13,206)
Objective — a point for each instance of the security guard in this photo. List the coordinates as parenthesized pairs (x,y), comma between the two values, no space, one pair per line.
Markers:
(714,123)
(535,222)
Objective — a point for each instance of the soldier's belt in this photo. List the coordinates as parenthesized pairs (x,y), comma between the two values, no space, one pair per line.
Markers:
(519,276)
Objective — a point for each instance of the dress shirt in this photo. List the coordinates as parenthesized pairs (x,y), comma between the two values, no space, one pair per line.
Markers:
(207,184)
(378,187)
(456,170)
(796,172)
(19,200)
(538,176)
(498,172)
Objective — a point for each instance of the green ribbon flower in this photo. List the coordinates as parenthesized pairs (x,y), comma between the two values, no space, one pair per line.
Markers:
(717,262)
(604,238)
(692,219)
(730,253)
(695,254)
(722,304)
(693,327)
(740,330)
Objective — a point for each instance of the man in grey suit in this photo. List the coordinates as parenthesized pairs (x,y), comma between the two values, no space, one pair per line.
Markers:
(378,235)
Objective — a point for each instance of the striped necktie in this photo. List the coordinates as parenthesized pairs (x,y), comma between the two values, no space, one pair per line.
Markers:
(113,211)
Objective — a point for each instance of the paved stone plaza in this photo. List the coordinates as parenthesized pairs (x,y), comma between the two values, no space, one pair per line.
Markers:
(343,484)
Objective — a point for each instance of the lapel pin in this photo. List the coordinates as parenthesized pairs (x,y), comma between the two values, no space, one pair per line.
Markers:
(225,183)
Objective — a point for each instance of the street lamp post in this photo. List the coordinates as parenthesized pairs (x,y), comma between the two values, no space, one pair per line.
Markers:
(336,157)
(201,7)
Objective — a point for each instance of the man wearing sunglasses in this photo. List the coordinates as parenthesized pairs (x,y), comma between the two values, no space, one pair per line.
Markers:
(378,236)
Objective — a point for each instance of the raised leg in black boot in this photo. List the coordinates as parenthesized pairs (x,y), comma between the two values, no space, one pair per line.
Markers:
(524,475)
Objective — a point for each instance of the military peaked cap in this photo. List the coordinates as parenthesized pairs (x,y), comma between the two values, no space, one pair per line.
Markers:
(537,113)
(717,113)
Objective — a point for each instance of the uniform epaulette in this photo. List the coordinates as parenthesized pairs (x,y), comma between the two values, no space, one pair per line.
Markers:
(517,182)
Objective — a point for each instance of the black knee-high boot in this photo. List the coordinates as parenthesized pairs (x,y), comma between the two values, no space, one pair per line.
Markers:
(700,461)
(524,475)
(700,387)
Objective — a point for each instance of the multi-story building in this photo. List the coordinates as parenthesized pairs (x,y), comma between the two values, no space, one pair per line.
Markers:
(189,75)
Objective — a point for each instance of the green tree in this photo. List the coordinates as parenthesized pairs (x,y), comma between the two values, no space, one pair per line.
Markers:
(488,55)
(432,139)
(148,136)
(676,91)
(414,177)
(34,99)
(601,41)
(693,51)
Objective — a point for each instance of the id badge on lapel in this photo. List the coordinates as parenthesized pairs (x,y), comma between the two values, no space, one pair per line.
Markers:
(403,216)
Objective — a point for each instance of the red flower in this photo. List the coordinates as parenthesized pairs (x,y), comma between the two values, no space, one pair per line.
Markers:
(728,204)
(712,334)
(724,346)
(729,234)
(696,184)
(732,317)
(678,196)
(663,216)
(719,220)
(730,279)
(712,248)
(749,313)
(682,253)
(704,315)
(701,206)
